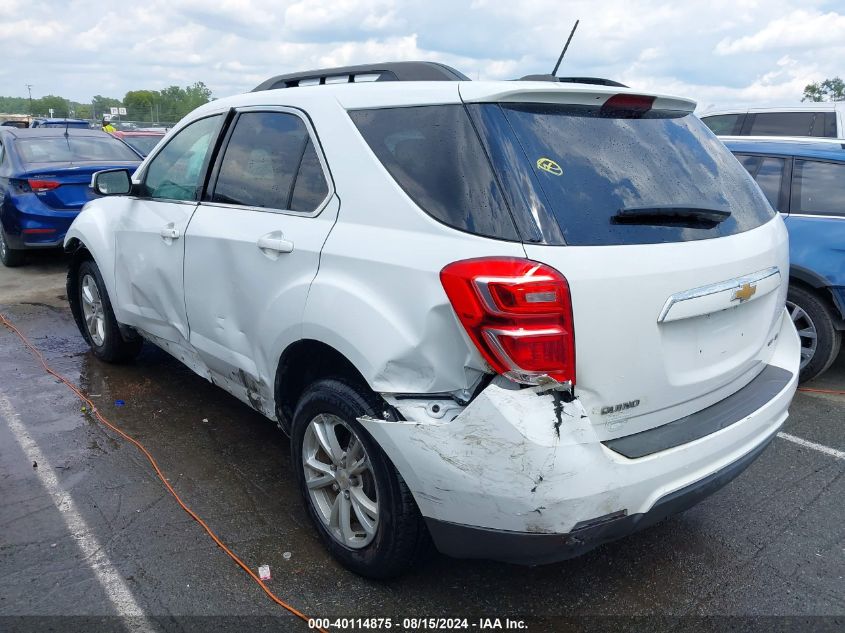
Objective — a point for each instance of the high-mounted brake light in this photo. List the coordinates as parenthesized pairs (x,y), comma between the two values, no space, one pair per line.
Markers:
(518,313)
(628,104)
(40,186)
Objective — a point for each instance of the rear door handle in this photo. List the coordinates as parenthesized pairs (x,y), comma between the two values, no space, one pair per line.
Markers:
(275,242)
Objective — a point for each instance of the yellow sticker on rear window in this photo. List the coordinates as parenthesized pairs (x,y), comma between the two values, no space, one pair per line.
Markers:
(547,164)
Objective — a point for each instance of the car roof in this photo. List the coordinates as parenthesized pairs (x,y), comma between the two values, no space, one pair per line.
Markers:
(30,132)
(410,93)
(833,149)
(815,106)
(59,120)
(122,133)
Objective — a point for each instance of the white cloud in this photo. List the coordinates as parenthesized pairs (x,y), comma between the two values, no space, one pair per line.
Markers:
(799,29)
(729,51)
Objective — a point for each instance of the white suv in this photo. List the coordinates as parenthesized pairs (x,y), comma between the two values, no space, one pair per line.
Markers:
(520,319)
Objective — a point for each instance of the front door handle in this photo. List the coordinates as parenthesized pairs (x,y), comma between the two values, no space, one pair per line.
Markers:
(170,232)
(275,242)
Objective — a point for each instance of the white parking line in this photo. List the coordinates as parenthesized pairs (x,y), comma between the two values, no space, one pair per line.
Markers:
(821,448)
(95,557)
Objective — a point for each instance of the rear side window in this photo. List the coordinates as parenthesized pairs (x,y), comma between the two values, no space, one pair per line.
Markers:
(71,149)
(724,124)
(434,154)
(818,188)
(270,162)
(593,167)
(786,124)
(768,172)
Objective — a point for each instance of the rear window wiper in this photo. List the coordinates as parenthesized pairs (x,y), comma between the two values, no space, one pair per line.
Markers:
(669,215)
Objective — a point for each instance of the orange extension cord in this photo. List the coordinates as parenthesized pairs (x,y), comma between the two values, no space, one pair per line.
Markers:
(834,392)
(40,357)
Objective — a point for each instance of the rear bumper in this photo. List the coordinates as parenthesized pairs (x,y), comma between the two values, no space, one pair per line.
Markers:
(519,475)
(28,212)
(526,548)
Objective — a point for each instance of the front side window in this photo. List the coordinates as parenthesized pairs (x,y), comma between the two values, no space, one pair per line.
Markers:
(176,172)
(818,188)
(270,162)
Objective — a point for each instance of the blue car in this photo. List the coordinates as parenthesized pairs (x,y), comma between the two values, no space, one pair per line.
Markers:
(63,123)
(805,181)
(45,177)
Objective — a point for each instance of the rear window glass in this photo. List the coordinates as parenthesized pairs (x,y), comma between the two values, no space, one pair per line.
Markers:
(434,154)
(61,149)
(818,188)
(592,167)
(723,124)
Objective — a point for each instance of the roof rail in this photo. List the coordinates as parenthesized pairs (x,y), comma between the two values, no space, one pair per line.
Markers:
(388,71)
(596,81)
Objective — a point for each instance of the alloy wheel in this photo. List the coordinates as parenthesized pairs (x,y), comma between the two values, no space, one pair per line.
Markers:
(92,310)
(340,480)
(3,246)
(806,332)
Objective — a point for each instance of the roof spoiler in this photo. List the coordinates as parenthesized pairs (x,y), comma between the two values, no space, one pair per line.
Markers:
(596,81)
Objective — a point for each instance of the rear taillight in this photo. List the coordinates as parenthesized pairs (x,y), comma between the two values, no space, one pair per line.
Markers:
(40,186)
(518,313)
(627,105)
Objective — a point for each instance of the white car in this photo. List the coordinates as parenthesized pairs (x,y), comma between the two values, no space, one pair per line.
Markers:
(819,119)
(520,318)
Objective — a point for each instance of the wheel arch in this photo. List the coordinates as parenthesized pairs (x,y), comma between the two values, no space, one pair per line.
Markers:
(303,362)
(821,288)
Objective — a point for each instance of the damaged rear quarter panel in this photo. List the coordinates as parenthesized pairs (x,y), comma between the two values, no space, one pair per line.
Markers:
(495,463)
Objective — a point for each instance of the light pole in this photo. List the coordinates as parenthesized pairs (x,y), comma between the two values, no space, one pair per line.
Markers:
(29,88)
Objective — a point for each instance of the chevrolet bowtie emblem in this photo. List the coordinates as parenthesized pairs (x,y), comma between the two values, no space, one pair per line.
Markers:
(744,293)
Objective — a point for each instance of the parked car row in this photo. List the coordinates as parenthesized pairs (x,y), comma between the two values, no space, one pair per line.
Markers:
(45,177)
(805,181)
(518,319)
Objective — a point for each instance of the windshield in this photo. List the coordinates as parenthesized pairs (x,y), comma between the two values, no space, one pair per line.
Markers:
(587,167)
(143,144)
(72,149)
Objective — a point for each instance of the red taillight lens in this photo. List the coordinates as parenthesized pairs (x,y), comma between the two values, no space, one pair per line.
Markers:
(40,186)
(518,313)
(626,105)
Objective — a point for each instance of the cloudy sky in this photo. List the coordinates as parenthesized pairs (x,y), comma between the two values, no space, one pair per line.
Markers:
(719,52)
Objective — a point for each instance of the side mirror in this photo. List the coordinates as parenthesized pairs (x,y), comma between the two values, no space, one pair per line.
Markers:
(111,182)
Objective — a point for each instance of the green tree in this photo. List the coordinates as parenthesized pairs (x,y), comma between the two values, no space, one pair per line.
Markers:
(101,105)
(59,105)
(140,104)
(827,90)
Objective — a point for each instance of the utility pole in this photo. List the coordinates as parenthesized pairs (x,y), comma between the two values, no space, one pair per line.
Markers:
(29,87)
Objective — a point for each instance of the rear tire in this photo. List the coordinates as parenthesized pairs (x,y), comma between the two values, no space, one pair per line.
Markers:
(97,321)
(390,536)
(820,340)
(10,257)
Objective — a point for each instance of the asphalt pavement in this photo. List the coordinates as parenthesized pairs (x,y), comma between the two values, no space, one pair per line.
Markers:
(89,532)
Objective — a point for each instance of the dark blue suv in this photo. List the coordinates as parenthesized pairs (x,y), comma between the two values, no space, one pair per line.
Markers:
(805,181)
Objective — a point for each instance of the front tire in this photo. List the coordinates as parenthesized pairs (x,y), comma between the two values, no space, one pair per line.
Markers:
(10,257)
(820,340)
(360,505)
(96,318)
